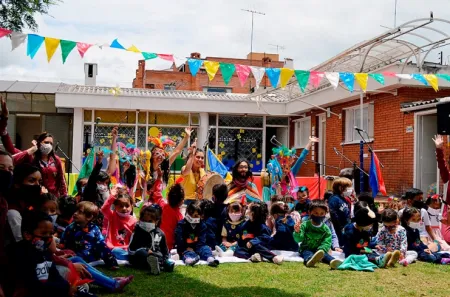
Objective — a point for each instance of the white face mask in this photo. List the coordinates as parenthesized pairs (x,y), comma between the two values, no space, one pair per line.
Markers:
(123,214)
(102,188)
(414,225)
(46,148)
(54,217)
(235,216)
(192,220)
(433,212)
(147,226)
(348,192)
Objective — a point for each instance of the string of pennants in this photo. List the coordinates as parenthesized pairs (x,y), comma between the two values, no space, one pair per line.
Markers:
(277,76)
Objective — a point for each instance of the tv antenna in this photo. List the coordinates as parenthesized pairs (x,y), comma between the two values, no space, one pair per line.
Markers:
(279,47)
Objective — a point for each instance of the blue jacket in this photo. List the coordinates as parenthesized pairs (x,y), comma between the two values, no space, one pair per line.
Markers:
(414,242)
(232,230)
(211,232)
(255,233)
(355,241)
(283,239)
(339,212)
(188,237)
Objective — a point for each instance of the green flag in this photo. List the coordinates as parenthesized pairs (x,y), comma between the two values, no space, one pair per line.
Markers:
(227,71)
(148,56)
(66,47)
(378,77)
(302,78)
(86,169)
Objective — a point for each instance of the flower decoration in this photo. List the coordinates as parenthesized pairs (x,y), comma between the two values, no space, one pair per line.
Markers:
(223,153)
(258,156)
(116,91)
(238,136)
(253,150)
(130,140)
(175,138)
(258,162)
(221,145)
(242,131)
(102,140)
(183,134)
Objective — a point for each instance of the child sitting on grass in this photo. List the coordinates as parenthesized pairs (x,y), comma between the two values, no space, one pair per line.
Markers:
(284,228)
(230,230)
(255,236)
(208,217)
(315,237)
(171,213)
(411,219)
(148,248)
(434,204)
(190,236)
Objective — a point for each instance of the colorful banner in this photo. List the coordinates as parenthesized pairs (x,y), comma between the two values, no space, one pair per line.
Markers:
(432,80)
(348,79)
(285,76)
(51,44)
(258,74)
(17,39)
(361,79)
(274,76)
(243,72)
(302,78)
(34,43)
(194,65)
(66,47)
(227,70)
(211,68)
(333,78)
(315,78)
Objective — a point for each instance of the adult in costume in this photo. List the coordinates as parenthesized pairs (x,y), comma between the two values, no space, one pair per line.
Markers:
(242,184)
(192,172)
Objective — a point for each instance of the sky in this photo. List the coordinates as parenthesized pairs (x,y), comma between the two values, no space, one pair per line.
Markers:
(311,31)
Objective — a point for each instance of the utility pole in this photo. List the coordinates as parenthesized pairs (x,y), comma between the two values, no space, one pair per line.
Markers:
(281,47)
(251,37)
(395,15)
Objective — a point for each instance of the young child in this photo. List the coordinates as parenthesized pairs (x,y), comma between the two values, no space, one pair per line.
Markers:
(208,212)
(148,248)
(49,205)
(85,238)
(284,228)
(190,237)
(338,205)
(120,222)
(220,194)
(335,245)
(67,207)
(411,222)
(303,201)
(434,204)
(255,236)
(392,238)
(357,238)
(171,213)
(230,230)
(315,237)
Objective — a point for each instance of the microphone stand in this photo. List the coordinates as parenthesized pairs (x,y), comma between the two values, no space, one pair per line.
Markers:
(318,175)
(353,162)
(57,148)
(366,143)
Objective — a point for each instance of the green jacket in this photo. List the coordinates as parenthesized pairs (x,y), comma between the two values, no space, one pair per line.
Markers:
(313,238)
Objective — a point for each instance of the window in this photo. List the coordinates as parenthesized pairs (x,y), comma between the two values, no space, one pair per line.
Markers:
(353,119)
(216,90)
(170,87)
(302,132)
(149,86)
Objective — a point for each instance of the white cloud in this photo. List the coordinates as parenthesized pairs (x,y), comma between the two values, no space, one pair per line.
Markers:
(311,31)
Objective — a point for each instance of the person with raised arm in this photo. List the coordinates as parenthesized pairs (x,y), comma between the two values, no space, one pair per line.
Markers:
(192,172)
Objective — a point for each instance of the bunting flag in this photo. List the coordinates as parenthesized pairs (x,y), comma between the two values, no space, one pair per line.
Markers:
(375,178)
(51,44)
(274,76)
(403,76)
(302,78)
(66,47)
(258,74)
(315,78)
(361,79)
(348,79)
(242,71)
(149,56)
(166,57)
(116,44)
(285,76)
(419,77)
(4,32)
(82,48)
(432,80)
(378,77)
(227,70)
(34,43)
(444,76)
(211,68)
(333,78)
(389,74)
(194,65)
(17,39)
(133,49)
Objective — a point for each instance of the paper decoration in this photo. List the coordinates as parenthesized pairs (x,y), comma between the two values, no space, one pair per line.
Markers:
(194,65)
(348,79)
(378,77)
(389,74)
(149,56)
(333,78)
(211,68)
(166,57)
(302,78)
(51,44)
(133,49)
(258,74)
(444,76)
(274,76)
(315,78)
(82,48)
(154,132)
(34,43)
(419,77)
(66,47)
(4,32)
(403,76)
(432,80)
(227,71)
(285,76)
(242,71)
(115,91)
(17,39)
(116,44)
(361,79)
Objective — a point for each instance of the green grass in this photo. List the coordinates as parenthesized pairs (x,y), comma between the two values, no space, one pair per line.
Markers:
(288,280)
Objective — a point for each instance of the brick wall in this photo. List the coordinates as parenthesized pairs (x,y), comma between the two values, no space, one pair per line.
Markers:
(389,133)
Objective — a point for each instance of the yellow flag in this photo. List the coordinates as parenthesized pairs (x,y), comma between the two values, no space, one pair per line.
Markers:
(432,80)
(51,44)
(133,49)
(285,76)
(362,78)
(211,68)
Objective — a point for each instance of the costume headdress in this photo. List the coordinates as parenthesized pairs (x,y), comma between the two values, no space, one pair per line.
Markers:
(162,142)
(279,167)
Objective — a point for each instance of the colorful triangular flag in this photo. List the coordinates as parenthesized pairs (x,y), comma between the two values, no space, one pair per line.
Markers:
(211,68)
(66,47)
(432,80)
(378,77)
(403,76)
(419,77)
(285,76)
(348,79)
(4,32)
(242,71)
(333,78)
(315,77)
(133,49)
(116,44)
(444,76)
(194,65)
(51,44)
(258,74)
(274,76)
(227,70)
(166,57)
(149,56)
(82,48)
(302,78)
(34,43)
(17,39)
(361,79)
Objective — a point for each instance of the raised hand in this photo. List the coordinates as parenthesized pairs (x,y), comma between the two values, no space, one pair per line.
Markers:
(188,131)
(99,156)
(313,139)
(297,227)
(438,141)
(4,112)
(115,132)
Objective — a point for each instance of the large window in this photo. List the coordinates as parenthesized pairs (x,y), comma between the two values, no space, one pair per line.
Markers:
(353,119)
(216,90)
(302,132)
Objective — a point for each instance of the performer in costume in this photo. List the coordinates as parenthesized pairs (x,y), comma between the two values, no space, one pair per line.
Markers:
(192,172)
(242,183)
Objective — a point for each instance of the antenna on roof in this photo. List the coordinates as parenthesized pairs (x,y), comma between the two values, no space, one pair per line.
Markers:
(281,47)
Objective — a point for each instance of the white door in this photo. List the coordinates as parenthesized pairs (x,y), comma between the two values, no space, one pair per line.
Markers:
(426,169)
(322,140)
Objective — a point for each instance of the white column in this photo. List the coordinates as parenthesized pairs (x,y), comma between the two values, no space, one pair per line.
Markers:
(202,133)
(77,144)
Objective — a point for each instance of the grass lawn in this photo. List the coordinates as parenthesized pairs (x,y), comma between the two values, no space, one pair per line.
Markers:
(288,280)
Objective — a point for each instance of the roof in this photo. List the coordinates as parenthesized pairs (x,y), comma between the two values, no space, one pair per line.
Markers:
(28,87)
(419,103)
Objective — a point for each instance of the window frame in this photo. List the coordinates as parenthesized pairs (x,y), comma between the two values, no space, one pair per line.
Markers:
(349,139)
(298,134)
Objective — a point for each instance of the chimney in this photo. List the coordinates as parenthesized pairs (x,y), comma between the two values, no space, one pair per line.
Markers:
(266,62)
(90,74)
(289,63)
(195,55)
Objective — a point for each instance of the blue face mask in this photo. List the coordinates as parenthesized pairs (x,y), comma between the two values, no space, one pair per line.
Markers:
(291,205)
(316,219)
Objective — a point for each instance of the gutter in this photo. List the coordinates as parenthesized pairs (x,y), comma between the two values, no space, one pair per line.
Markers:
(419,107)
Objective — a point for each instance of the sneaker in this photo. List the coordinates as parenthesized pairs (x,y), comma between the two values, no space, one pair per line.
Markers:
(229,253)
(213,262)
(278,259)
(445,261)
(383,260)
(317,257)
(219,251)
(153,262)
(256,258)
(394,259)
(169,266)
(334,264)
(83,291)
(122,282)
(191,261)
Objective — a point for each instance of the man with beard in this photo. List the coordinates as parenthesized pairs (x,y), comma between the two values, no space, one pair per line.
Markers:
(242,184)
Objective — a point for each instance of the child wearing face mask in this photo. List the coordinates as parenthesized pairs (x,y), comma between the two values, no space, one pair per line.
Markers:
(434,213)
(255,237)
(118,211)
(392,238)
(411,222)
(148,248)
(338,205)
(284,228)
(67,207)
(230,230)
(303,201)
(49,205)
(357,237)
(190,237)
(315,237)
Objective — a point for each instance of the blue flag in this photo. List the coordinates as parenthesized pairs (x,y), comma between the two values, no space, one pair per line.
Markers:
(34,43)
(214,164)
(348,79)
(274,76)
(116,44)
(194,65)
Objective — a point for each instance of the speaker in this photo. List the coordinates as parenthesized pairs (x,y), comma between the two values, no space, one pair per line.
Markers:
(443,118)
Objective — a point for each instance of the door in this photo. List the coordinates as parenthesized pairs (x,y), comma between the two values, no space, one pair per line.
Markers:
(426,169)
(60,127)
(28,128)
(322,141)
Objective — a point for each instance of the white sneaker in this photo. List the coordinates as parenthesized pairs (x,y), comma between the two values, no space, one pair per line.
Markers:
(317,257)
(256,258)
(175,257)
(219,251)
(278,259)
(229,253)
(334,264)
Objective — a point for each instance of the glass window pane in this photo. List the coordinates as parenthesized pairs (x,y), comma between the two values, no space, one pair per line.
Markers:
(168,119)
(117,117)
(195,119)
(142,138)
(277,121)
(102,137)
(87,115)
(212,119)
(142,117)
(18,102)
(43,103)
(240,121)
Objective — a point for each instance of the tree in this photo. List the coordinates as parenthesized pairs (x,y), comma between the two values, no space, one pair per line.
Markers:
(17,14)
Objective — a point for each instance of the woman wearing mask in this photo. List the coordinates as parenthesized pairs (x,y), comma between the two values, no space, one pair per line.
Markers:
(338,205)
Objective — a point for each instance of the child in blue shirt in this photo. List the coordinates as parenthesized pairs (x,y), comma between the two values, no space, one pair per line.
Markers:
(284,227)
(339,207)
(231,229)
(208,217)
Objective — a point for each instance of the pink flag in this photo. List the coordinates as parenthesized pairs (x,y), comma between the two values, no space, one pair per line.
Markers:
(391,74)
(82,48)
(4,32)
(243,71)
(166,57)
(315,77)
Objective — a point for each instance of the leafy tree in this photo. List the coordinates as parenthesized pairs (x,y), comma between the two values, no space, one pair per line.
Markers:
(17,14)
